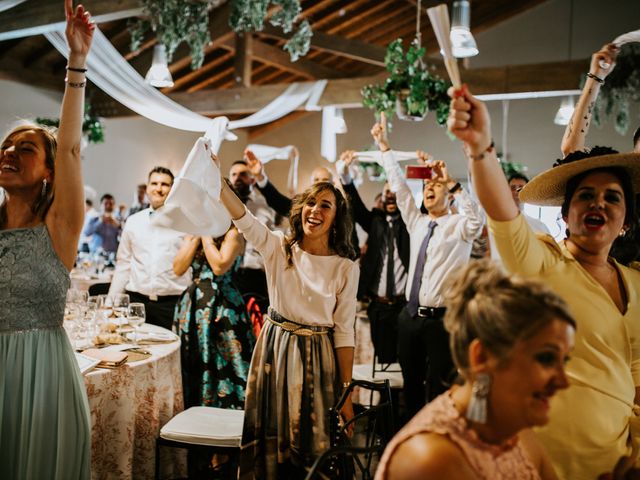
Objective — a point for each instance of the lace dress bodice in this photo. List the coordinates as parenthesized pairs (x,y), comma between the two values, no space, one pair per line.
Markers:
(488,461)
(33,281)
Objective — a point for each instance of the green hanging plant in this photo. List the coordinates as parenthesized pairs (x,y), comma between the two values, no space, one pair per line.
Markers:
(174,22)
(250,15)
(92,127)
(411,91)
(621,88)
(510,168)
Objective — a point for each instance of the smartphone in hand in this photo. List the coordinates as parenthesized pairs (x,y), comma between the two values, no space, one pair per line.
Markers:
(421,172)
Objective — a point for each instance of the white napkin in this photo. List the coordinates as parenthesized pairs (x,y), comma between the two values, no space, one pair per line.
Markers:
(376,156)
(628,38)
(193,205)
(147,336)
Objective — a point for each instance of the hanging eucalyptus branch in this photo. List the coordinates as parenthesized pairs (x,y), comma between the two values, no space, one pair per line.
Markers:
(174,22)
(250,15)
(620,89)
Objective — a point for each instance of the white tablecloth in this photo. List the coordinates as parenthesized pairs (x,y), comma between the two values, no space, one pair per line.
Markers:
(128,406)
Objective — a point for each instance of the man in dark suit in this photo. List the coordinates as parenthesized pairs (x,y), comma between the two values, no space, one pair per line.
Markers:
(383,269)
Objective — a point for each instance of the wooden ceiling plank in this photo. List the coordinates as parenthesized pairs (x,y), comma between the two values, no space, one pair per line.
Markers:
(190,77)
(33,18)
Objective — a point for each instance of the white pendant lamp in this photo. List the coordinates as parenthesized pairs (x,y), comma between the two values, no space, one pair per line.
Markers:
(565,112)
(462,42)
(159,75)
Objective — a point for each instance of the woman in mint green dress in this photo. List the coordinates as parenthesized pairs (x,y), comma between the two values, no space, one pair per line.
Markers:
(44,413)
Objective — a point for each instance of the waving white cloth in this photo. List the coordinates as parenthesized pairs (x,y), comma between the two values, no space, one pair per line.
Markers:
(627,38)
(193,205)
(266,153)
(375,156)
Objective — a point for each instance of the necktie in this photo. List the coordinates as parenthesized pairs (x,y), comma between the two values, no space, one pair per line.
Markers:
(413,304)
(390,263)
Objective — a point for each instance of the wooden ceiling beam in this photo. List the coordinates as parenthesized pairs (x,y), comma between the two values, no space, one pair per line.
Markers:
(242,59)
(36,17)
(338,45)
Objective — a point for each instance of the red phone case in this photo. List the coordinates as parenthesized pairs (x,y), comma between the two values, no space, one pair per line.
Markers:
(421,172)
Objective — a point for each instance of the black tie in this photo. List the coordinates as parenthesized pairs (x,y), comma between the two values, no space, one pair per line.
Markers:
(390,262)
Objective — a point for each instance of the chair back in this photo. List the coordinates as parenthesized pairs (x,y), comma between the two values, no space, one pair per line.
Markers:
(356,456)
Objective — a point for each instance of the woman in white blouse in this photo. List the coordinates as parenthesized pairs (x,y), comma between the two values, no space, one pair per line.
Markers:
(304,354)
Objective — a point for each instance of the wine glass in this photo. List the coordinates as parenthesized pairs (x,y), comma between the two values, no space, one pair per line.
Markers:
(121,307)
(106,307)
(137,318)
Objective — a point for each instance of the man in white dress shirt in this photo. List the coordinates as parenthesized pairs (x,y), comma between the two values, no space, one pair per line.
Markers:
(250,277)
(144,267)
(440,244)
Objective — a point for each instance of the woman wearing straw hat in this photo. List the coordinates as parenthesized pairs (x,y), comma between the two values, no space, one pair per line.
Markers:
(593,422)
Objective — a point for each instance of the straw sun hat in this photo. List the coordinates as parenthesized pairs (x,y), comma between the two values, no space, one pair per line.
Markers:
(548,188)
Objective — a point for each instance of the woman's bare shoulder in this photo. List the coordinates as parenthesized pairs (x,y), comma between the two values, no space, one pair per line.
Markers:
(428,455)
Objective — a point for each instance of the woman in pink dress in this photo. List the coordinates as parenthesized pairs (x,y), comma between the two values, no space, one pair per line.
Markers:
(510,339)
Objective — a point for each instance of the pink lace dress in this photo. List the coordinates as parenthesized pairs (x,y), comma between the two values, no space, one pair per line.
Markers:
(492,462)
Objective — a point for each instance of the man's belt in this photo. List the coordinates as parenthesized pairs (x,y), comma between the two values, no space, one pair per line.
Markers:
(431,312)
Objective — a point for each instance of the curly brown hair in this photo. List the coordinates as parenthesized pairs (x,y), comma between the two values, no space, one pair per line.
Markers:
(340,238)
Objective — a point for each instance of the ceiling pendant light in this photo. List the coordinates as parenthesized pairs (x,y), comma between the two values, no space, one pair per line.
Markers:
(462,42)
(565,112)
(159,75)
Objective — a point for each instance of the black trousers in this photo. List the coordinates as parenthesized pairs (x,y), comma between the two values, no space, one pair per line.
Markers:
(384,329)
(425,359)
(253,281)
(159,312)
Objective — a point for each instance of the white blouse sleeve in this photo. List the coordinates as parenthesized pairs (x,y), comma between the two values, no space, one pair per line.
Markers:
(258,234)
(344,315)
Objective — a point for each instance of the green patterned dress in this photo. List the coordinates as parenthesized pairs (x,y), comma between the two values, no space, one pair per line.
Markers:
(217,338)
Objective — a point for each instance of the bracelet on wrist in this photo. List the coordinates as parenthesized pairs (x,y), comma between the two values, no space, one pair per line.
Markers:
(74,69)
(455,188)
(596,78)
(75,84)
(484,152)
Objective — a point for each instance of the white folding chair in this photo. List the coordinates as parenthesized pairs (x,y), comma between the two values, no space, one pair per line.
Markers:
(217,428)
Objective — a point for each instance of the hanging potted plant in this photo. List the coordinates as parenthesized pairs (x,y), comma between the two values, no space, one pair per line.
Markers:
(411,91)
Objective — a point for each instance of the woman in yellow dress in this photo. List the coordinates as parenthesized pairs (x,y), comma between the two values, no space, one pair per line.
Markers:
(592,422)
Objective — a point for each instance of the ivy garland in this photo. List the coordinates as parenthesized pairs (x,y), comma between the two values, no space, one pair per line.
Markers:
(92,127)
(620,89)
(175,21)
(409,82)
(250,15)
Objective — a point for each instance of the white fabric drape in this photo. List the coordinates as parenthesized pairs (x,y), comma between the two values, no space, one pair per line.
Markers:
(7,4)
(332,124)
(266,153)
(108,70)
(627,38)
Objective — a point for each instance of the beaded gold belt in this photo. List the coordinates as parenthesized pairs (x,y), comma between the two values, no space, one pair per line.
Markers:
(297,329)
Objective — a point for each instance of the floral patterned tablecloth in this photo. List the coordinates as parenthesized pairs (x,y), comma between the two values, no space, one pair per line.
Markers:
(128,406)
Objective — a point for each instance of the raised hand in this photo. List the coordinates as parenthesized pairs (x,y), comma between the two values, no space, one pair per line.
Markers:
(604,60)
(79,30)
(379,133)
(423,157)
(348,156)
(255,165)
(469,120)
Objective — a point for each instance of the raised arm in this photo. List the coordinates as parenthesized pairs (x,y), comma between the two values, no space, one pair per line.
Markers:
(404,198)
(66,215)
(276,200)
(185,255)
(221,259)
(578,127)
(361,214)
(469,121)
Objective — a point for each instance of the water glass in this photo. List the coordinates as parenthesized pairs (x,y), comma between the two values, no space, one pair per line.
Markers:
(121,307)
(137,318)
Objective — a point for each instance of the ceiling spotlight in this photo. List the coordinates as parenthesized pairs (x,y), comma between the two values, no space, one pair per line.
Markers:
(159,75)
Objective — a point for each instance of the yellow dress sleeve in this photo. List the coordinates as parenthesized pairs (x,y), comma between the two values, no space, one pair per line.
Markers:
(521,250)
